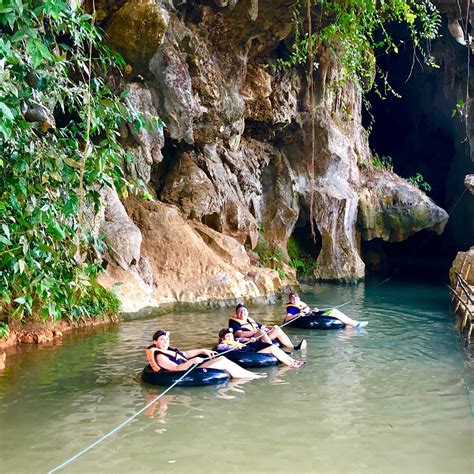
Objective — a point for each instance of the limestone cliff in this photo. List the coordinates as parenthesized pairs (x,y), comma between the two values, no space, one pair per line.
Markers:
(244,156)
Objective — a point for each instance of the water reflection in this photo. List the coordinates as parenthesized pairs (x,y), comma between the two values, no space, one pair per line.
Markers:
(400,386)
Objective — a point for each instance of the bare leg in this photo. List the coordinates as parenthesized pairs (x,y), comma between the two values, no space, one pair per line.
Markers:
(335,313)
(277,333)
(232,368)
(279,354)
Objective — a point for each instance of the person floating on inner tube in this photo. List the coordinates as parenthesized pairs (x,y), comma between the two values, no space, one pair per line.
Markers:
(244,326)
(295,307)
(163,357)
(228,342)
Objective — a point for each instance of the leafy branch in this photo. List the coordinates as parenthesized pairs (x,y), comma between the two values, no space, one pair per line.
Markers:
(59,145)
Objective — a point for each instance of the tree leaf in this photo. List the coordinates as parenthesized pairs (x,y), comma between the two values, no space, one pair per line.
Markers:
(73,163)
(7,113)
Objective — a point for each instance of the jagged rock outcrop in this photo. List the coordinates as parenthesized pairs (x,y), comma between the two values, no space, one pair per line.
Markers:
(122,236)
(247,153)
(146,144)
(392,209)
(137,30)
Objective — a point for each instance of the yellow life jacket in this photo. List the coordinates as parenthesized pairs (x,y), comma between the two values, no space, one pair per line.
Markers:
(232,343)
(299,307)
(252,324)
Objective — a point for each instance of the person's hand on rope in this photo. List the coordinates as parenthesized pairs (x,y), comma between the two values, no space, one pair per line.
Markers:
(209,353)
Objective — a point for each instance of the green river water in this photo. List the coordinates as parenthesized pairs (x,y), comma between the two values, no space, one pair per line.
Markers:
(393,398)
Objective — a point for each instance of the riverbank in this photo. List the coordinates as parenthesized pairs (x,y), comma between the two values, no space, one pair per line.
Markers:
(41,332)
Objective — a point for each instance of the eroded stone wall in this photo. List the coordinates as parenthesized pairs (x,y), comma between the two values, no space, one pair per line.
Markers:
(247,153)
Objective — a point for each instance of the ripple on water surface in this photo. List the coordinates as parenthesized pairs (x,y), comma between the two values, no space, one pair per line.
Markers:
(390,398)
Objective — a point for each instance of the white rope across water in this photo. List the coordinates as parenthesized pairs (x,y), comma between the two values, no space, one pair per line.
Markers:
(131,418)
(139,412)
(119,427)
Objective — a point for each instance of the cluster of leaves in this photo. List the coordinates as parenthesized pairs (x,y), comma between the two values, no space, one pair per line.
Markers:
(353,29)
(100,302)
(419,181)
(270,257)
(303,263)
(4,330)
(299,47)
(59,124)
(382,162)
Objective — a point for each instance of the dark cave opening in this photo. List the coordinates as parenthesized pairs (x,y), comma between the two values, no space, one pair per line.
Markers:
(419,134)
(305,246)
(418,257)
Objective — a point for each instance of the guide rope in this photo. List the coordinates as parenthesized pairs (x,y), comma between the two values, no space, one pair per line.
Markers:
(119,427)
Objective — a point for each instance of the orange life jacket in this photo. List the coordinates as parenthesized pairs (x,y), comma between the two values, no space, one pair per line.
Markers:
(150,355)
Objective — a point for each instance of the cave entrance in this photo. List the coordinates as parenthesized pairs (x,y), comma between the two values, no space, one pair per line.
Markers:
(419,135)
(416,258)
(304,248)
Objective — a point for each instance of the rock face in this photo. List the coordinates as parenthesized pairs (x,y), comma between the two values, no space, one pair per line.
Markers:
(186,262)
(247,154)
(463,264)
(393,209)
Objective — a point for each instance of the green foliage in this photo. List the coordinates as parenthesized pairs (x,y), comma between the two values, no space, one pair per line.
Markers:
(382,162)
(299,48)
(301,262)
(351,30)
(52,61)
(98,301)
(419,182)
(4,330)
(270,257)
(459,109)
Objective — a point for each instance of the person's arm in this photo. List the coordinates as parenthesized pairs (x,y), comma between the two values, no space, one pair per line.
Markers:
(195,352)
(165,363)
(305,308)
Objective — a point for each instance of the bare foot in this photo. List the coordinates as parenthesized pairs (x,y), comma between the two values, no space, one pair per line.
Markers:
(297,364)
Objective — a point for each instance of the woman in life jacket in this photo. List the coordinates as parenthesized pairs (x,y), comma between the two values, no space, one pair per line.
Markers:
(295,307)
(244,326)
(228,342)
(163,357)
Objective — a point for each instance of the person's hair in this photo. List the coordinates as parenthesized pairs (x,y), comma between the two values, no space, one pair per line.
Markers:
(293,294)
(223,332)
(159,333)
(240,305)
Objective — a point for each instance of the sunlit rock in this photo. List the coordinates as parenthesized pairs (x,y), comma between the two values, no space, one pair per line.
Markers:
(188,264)
(137,30)
(122,236)
(469,182)
(392,209)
